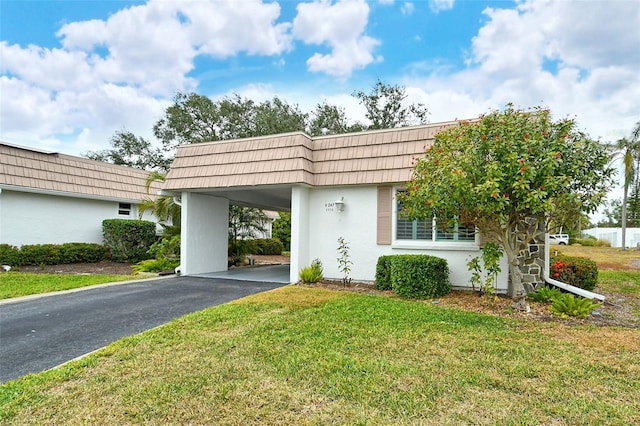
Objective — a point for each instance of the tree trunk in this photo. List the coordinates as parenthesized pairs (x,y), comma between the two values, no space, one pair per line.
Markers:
(516,289)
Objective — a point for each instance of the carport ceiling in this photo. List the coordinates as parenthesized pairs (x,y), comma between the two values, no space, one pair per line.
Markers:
(276,198)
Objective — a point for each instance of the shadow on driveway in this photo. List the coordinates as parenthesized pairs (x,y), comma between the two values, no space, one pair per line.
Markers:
(39,334)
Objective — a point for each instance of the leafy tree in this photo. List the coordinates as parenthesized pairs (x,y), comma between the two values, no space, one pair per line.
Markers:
(385,107)
(282,229)
(245,223)
(133,151)
(329,119)
(192,118)
(509,174)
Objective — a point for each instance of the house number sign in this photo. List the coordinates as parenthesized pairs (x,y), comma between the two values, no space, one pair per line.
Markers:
(329,207)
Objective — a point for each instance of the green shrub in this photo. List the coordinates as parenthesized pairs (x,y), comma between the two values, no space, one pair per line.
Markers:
(383,273)
(155,265)
(602,243)
(544,294)
(269,246)
(168,247)
(589,242)
(40,254)
(419,276)
(567,305)
(282,229)
(83,253)
(128,240)
(9,255)
(576,271)
(312,273)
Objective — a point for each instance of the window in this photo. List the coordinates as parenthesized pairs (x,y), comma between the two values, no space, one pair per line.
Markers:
(427,230)
(124,209)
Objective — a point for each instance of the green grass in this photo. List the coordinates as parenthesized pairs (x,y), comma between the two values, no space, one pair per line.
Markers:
(622,282)
(16,284)
(306,356)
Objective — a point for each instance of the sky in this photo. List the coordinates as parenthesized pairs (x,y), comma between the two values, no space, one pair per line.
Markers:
(72,73)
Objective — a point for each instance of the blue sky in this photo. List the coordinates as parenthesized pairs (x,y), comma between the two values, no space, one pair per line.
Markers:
(72,73)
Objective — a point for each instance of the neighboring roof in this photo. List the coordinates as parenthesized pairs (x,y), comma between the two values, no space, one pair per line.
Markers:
(376,157)
(28,169)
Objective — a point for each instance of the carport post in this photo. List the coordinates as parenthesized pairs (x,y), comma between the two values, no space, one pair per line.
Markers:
(299,230)
(204,233)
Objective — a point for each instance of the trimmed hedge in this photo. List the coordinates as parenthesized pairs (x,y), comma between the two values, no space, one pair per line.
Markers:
(9,255)
(383,273)
(413,276)
(128,240)
(269,246)
(576,271)
(266,246)
(52,254)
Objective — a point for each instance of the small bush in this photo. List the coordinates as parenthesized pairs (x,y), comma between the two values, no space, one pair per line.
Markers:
(128,240)
(40,254)
(418,276)
(9,255)
(544,294)
(312,273)
(576,271)
(168,247)
(567,305)
(589,242)
(83,253)
(269,246)
(155,265)
(602,243)
(383,273)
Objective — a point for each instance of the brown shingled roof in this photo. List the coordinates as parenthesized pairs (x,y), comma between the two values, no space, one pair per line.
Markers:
(29,169)
(382,156)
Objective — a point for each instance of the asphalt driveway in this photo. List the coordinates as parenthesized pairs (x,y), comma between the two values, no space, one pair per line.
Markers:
(39,334)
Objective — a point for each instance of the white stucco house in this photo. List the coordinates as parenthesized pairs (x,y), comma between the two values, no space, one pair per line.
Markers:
(334,186)
(53,198)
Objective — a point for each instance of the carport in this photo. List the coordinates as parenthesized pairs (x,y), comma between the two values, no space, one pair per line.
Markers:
(270,173)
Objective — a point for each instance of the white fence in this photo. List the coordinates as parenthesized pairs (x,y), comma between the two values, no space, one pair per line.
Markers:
(614,236)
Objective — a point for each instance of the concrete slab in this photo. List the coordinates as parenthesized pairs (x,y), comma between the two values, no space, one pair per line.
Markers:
(260,273)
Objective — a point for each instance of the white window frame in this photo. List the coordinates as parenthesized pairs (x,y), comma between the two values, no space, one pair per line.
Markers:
(433,243)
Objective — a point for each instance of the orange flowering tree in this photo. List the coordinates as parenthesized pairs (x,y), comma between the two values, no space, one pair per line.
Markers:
(509,173)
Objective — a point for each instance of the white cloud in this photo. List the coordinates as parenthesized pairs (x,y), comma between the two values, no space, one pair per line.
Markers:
(595,79)
(120,72)
(341,26)
(407,8)
(437,6)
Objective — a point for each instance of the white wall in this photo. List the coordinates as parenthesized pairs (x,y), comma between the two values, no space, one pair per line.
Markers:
(33,218)
(204,234)
(357,225)
(614,236)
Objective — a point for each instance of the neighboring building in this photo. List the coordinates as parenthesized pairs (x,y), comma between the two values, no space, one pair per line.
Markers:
(334,186)
(614,236)
(52,198)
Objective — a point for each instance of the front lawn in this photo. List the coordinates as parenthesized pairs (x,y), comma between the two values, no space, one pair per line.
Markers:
(16,284)
(301,355)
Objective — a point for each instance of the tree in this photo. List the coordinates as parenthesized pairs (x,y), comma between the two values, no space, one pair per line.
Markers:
(329,119)
(163,207)
(385,109)
(509,174)
(629,151)
(245,223)
(282,229)
(132,151)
